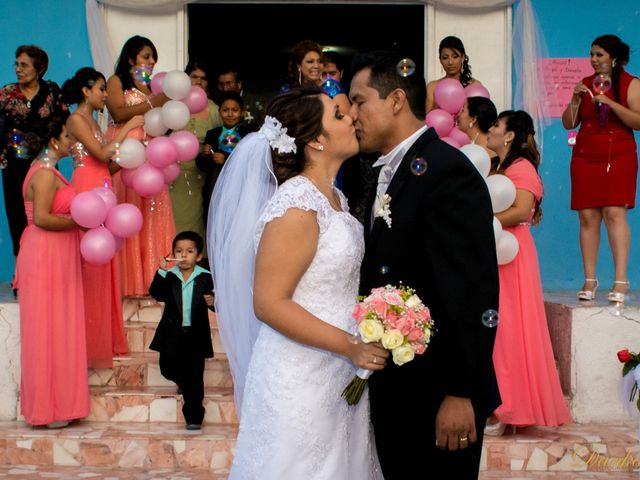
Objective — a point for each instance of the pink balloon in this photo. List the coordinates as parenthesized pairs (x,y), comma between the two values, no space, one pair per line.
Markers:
(476,90)
(459,136)
(148,181)
(124,220)
(451,141)
(440,120)
(127,176)
(161,152)
(98,246)
(196,99)
(88,209)
(187,145)
(449,95)
(171,172)
(156,83)
(107,195)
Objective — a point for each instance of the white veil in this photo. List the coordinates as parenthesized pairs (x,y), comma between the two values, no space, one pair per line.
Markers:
(245,185)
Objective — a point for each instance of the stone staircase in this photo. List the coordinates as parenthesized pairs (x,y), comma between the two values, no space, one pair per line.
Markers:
(136,429)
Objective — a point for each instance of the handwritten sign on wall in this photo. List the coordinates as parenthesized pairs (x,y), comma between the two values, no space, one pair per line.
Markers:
(560,75)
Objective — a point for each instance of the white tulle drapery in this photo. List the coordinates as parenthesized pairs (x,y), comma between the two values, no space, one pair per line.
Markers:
(528,49)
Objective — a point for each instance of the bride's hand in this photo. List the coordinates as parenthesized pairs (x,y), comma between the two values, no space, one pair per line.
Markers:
(372,356)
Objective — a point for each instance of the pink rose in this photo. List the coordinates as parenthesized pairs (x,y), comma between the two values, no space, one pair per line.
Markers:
(393,298)
(419,348)
(405,325)
(379,306)
(391,319)
(359,313)
(415,334)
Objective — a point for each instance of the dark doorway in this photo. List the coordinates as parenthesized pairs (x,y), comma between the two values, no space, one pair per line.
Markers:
(257,38)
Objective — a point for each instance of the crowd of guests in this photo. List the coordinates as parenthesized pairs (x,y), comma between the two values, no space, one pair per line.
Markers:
(38,130)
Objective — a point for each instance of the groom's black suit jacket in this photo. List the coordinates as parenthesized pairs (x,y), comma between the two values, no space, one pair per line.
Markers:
(441,243)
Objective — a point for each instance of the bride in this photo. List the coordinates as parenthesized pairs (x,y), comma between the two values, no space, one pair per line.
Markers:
(301,354)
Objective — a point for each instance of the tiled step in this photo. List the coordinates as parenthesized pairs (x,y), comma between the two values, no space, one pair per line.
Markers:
(145,446)
(140,334)
(570,448)
(28,472)
(142,370)
(157,404)
(146,309)
(532,453)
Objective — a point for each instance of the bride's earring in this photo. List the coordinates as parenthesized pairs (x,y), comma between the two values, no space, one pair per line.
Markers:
(470,124)
(613,64)
(321,148)
(300,76)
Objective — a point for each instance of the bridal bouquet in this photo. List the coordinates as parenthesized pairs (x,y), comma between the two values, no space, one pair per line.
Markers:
(397,318)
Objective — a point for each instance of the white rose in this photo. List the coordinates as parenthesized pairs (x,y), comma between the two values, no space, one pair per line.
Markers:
(427,335)
(370,330)
(392,339)
(413,302)
(402,354)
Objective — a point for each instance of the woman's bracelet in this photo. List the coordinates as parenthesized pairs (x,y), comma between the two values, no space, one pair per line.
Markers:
(116,154)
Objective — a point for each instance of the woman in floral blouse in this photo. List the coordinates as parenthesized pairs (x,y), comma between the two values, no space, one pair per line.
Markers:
(25,108)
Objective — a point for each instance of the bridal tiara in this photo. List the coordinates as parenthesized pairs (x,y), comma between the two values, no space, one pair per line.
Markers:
(277,136)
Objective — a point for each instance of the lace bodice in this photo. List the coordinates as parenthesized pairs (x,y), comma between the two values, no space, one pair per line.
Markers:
(294,422)
(334,271)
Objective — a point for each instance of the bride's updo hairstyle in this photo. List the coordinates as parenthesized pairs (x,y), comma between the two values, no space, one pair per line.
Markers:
(300,111)
(72,88)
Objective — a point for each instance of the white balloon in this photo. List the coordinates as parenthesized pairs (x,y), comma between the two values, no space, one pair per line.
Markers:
(176,84)
(502,192)
(479,157)
(153,123)
(497,228)
(175,114)
(506,247)
(132,153)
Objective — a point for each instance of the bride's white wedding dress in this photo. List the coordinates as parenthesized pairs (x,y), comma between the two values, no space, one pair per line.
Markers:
(295,424)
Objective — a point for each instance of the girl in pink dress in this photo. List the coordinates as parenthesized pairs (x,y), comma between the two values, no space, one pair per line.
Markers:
(53,354)
(93,168)
(523,358)
(129,95)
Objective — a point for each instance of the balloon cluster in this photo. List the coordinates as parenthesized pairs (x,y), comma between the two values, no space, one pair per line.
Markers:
(147,170)
(109,223)
(503,193)
(450,96)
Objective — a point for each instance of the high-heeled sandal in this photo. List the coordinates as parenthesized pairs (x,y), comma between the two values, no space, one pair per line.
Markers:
(618,297)
(589,295)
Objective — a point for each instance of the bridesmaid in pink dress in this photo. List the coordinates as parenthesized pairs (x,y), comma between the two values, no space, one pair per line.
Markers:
(128,96)
(93,168)
(523,358)
(53,385)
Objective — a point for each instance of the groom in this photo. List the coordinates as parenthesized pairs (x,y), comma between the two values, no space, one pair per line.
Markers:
(429,414)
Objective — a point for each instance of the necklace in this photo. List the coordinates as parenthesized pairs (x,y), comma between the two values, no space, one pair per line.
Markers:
(331,197)
(47,158)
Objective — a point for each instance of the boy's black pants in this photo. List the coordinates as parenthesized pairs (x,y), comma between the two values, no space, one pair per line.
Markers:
(186,369)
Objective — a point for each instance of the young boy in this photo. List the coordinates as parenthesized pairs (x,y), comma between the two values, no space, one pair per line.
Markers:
(183,336)
(220,142)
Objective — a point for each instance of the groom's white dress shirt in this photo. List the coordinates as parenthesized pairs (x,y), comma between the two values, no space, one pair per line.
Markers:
(390,163)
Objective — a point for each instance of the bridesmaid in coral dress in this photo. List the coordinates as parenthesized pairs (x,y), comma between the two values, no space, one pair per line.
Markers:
(92,165)
(53,385)
(128,96)
(523,358)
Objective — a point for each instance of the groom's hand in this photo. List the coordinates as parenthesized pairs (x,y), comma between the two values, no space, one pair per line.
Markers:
(455,424)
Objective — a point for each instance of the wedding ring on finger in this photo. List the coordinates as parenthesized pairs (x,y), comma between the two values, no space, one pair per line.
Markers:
(375,359)
(463,439)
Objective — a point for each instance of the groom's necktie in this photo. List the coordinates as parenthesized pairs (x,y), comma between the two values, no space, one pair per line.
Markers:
(384,178)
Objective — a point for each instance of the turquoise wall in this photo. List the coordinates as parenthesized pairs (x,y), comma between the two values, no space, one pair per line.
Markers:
(60,28)
(568,28)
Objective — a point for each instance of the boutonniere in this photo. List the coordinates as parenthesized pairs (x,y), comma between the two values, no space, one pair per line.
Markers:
(384,211)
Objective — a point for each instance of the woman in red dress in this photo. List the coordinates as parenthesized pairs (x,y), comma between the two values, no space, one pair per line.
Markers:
(604,164)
